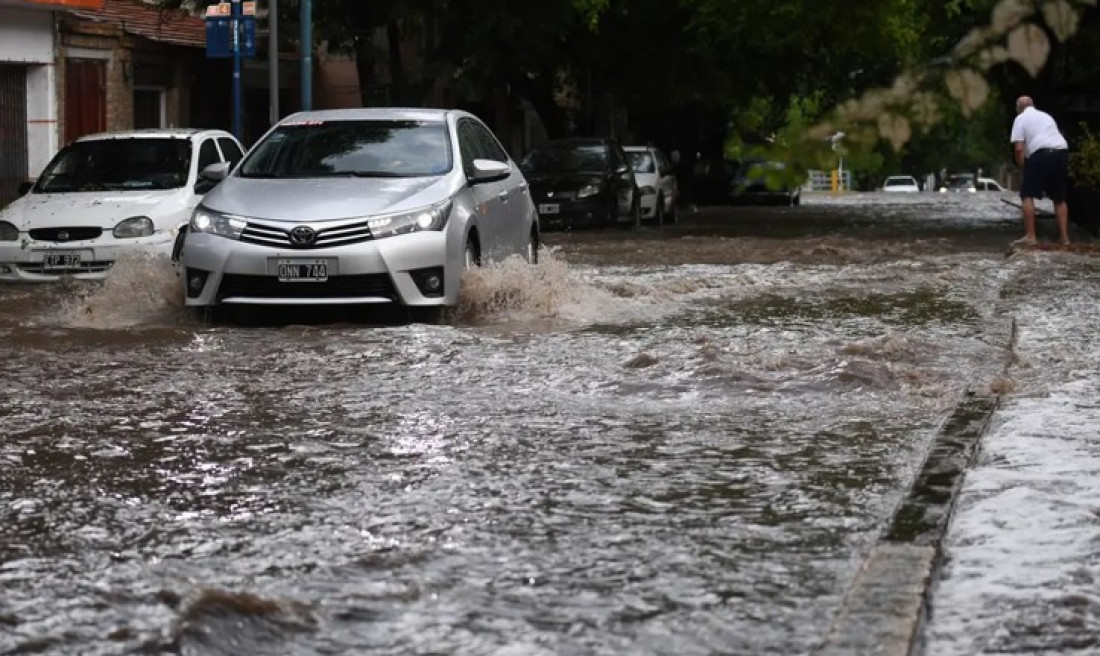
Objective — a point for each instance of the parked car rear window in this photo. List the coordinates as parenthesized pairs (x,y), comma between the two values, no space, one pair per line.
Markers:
(118,164)
(351,148)
(566,158)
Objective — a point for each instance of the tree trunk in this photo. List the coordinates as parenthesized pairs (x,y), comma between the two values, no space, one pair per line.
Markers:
(364,65)
(540,93)
(398,95)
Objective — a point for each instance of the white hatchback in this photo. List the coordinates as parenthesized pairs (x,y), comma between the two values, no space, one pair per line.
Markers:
(657,187)
(105,195)
(901,183)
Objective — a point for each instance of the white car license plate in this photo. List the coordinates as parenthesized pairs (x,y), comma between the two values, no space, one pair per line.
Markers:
(549,208)
(302,270)
(61,260)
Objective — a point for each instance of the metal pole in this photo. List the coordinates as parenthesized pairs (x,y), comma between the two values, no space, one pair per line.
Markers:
(273,60)
(236,23)
(307,54)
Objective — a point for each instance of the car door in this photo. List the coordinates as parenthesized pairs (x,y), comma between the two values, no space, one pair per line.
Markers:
(513,195)
(487,196)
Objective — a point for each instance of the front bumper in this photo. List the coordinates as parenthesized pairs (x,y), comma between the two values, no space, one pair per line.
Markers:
(388,270)
(28,260)
(586,211)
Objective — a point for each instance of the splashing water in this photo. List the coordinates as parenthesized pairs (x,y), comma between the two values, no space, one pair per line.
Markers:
(141,289)
(514,290)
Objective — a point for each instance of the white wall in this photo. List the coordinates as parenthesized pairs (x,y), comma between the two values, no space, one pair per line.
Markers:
(27,37)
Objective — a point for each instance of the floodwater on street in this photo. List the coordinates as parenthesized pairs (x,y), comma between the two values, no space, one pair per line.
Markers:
(657,441)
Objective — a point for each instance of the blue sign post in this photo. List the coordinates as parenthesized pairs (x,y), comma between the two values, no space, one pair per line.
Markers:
(231,32)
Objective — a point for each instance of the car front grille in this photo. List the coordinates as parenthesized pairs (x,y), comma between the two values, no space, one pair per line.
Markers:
(85,267)
(65,234)
(357,286)
(329,237)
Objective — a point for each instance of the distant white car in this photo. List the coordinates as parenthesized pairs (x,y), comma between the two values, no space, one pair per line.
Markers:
(901,183)
(969,183)
(988,184)
(105,195)
(657,186)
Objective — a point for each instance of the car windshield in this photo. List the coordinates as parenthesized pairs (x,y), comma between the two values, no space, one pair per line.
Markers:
(641,161)
(566,158)
(373,148)
(118,164)
(900,182)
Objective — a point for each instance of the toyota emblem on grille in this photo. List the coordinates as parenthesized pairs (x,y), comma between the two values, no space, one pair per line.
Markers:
(62,236)
(303,236)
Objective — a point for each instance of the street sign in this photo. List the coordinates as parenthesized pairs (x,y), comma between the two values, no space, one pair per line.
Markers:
(219,36)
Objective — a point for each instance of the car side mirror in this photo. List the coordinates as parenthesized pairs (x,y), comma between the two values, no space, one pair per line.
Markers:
(211,176)
(489,170)
(25,187)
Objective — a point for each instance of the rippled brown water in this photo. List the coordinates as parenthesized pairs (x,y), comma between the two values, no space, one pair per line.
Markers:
(675,441)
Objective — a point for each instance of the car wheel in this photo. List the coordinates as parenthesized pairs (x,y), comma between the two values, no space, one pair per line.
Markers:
(659,212)
(796,200)
(532,253)
(471,254)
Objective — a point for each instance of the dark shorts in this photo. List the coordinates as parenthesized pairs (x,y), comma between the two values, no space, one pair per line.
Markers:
(1045,172)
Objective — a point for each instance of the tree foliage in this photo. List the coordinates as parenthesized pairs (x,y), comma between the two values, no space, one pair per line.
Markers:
(909,82)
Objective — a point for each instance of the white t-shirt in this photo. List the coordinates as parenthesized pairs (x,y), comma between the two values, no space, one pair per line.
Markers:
(1037,130)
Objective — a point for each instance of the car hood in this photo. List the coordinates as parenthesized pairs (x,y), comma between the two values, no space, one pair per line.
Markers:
(324,199)
(562,181)
(88,208)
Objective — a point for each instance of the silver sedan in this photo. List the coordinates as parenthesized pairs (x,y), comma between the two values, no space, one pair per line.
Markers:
(358,206)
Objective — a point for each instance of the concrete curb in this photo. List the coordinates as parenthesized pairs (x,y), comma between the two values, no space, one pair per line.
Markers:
(886,605)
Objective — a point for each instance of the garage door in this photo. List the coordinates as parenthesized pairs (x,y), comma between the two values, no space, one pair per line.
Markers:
(13,131)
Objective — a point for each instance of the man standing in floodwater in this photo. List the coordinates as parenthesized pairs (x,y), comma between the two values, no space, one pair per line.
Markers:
(1043,156)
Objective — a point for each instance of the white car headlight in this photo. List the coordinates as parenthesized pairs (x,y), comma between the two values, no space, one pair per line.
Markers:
(8,232)
(216,223)
(428,218)
(588,190)
(135,226)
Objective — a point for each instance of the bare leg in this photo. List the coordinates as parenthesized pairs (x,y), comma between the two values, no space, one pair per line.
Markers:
(1027,205)
(1061,212)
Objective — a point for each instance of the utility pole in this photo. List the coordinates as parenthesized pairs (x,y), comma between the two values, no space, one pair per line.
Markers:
(237,23)
(273,60)
(307,54)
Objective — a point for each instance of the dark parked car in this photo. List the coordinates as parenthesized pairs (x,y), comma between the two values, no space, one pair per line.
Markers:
(760,181)
(585,182)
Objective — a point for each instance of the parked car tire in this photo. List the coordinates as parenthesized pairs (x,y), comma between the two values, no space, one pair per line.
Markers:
(533,248)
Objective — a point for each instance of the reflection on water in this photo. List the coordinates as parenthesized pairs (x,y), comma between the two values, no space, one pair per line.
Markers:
(656,441)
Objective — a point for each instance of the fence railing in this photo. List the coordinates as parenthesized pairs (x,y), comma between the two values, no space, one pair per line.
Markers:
(817,180)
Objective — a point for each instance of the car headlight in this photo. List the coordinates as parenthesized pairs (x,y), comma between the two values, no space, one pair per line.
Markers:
(8,232)
(647,191)
(428,218)
(588,190)
(216,223)
(135,226)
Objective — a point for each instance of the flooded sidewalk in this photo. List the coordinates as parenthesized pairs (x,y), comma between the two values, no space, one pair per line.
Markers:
(1021,569)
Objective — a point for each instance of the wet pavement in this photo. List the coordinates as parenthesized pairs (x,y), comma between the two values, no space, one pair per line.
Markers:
(658,441)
